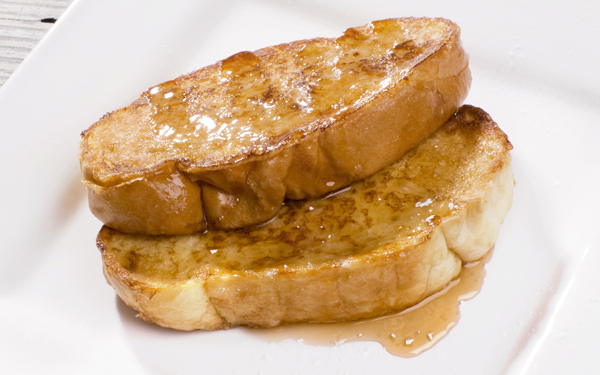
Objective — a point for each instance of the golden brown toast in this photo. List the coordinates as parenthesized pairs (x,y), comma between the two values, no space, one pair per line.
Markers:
(225,145)
(381,245)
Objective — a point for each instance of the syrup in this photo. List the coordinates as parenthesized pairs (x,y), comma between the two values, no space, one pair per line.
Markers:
(405,334)
(249,104)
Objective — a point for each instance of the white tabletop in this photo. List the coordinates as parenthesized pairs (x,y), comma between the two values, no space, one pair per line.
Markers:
(21,28)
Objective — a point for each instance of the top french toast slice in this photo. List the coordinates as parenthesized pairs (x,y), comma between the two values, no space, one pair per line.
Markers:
(381,245)
(225,145)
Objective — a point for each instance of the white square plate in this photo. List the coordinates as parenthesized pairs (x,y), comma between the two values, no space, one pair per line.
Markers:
(534,70)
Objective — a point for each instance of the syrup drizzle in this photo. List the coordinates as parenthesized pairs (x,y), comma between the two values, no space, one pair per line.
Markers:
(405,334)
(248,103)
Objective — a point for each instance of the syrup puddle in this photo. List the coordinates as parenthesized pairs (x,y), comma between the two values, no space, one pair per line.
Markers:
(405,334)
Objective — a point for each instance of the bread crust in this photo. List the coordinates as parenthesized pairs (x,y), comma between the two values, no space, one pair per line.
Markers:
(246,185)
(382,245)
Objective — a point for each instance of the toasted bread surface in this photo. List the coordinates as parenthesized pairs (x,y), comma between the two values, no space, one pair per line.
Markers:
(380,245)
(225,145)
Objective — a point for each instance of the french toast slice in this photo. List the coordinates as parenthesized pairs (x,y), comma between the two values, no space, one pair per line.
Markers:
(224,146)
(381,245)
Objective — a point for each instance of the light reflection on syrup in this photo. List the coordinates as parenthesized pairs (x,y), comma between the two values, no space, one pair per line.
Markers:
(405,334)
(239,104)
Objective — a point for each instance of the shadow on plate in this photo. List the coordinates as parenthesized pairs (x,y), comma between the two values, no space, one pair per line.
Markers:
(40,234)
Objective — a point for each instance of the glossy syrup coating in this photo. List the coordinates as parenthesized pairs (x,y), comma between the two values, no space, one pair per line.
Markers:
(296,121)
(251,102)
(380,245)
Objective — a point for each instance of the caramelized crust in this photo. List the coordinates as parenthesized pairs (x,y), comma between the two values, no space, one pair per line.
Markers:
(225,145)
(380,245)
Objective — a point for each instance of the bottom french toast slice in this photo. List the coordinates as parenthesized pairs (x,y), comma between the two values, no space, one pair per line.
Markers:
(379,246)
